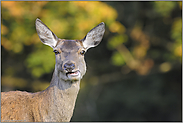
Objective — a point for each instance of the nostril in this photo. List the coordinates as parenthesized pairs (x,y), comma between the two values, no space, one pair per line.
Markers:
(72,65)
(69,66)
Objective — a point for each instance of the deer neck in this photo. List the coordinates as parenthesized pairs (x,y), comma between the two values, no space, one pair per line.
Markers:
(61,96)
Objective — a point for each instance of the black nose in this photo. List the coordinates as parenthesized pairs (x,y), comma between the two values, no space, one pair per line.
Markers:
(69,66)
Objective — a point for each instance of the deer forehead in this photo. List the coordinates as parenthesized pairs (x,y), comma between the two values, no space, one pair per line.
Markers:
(69,45)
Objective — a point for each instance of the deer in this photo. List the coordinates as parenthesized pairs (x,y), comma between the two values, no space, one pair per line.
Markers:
(56,103)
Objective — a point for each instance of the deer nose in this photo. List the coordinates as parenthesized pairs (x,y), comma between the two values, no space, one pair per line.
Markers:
(69,66)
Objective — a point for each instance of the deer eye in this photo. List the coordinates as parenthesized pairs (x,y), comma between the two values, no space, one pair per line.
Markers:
(82,52)
(56,52)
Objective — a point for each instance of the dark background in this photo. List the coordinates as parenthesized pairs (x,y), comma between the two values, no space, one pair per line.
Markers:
(135,74)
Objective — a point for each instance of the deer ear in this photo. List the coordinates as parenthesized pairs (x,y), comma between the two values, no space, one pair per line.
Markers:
(94,36)
(46,36)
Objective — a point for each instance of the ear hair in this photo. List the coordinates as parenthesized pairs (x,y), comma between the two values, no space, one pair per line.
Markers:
(46,36)
(94,36)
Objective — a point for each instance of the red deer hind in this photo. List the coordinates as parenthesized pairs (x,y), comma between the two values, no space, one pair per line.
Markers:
(56,103)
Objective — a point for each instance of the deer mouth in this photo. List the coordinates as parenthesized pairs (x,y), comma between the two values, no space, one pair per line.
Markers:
(73,74)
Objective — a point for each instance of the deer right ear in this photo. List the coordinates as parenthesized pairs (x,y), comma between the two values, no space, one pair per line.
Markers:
(46,36)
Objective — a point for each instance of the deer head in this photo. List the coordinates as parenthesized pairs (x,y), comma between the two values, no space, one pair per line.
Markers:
(70,64)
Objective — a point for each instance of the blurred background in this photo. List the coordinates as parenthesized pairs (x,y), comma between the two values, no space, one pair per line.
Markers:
(135,74)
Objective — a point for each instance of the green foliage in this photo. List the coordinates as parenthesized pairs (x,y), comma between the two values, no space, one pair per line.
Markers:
(164,7)
(176,35)
(41,61)
(117,59)
(117,40)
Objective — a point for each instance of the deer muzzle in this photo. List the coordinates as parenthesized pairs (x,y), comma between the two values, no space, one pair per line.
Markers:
(71,72)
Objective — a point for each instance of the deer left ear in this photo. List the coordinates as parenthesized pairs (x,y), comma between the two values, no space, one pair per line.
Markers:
(94,36)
